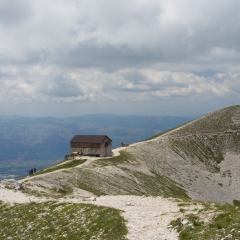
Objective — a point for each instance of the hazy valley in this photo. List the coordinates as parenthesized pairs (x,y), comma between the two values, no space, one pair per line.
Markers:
(28,142)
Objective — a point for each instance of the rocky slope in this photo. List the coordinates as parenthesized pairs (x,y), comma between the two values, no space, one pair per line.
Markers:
(202,156)
(200,160)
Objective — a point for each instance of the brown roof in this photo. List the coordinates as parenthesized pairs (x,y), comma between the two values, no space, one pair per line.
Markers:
(89,138)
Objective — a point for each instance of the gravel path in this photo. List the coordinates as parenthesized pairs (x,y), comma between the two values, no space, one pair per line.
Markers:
(147,217)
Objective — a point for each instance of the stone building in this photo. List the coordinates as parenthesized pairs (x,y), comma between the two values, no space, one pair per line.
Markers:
(91,145)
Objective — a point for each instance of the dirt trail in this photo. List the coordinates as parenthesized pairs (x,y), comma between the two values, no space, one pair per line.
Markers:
(89,160)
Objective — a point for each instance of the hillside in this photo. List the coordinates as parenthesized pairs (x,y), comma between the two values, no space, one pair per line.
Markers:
(157,184)
(198,160)
(202,156)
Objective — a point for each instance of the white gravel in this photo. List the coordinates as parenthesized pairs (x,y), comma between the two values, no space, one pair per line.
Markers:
(147,217)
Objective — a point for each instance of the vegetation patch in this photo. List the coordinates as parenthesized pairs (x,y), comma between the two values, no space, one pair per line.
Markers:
(208,149)
(124,157)
(63,191)
(225,222)
(68,164)
(159,185)
(51,220)
(236,203)
(109,182)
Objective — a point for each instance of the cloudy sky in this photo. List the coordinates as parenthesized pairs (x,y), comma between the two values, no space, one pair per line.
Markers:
(144,57)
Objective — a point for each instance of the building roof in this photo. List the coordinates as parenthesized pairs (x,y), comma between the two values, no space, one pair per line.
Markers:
(89,138)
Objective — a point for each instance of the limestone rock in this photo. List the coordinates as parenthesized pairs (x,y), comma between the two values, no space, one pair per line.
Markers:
(92,199)
(185,222)
(11,183)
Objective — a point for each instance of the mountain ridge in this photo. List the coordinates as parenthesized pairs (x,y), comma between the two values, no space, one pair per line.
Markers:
(170,164)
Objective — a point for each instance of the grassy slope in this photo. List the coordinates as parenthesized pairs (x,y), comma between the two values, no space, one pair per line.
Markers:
(190,154)
(222,120)
(68,164)
(118,175)
(52,220)
(212,221)
(209,138)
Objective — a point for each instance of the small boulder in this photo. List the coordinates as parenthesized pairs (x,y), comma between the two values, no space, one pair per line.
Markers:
(229,236)
(92,199)
(185,222)
(29,228)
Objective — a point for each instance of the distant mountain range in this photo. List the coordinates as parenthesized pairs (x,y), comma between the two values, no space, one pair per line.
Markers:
(27,142)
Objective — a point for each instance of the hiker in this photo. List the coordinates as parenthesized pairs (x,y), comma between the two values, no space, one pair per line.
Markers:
(31,171)
(34,170)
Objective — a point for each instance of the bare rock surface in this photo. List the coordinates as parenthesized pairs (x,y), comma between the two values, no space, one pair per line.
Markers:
(11,183)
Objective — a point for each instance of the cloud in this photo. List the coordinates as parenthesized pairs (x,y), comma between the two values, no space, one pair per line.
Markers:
(101,51)
(108,57)
(61,87)
(14,13)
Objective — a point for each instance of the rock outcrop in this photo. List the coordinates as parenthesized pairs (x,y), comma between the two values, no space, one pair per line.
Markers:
(11,183)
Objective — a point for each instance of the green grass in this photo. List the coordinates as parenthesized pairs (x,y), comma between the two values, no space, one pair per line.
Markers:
(124,157)
(157,184)
(236,203)
(208,151)
(51,220)
(225,221)
(98,183)
(114,184)
(68,164)
(220,120)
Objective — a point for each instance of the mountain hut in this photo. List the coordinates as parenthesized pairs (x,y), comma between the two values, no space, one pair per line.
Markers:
(91,145)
